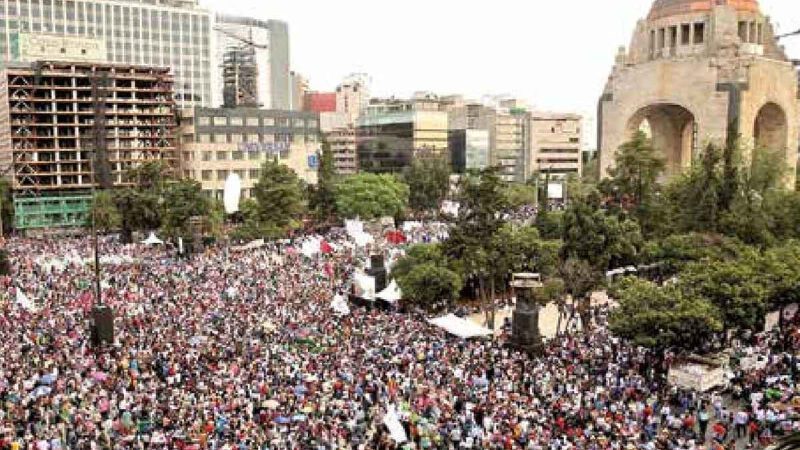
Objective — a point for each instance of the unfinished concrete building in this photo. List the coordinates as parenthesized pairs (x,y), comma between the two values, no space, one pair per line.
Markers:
(240,77)
(54,118)
(696,72)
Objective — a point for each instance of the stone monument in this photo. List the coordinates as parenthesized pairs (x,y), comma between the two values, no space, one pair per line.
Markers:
(525,323)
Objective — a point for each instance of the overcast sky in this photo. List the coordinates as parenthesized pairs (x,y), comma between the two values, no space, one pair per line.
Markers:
(554,54)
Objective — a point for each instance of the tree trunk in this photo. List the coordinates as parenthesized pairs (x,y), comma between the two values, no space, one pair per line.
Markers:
(491,305)
(482,299)
(558,323)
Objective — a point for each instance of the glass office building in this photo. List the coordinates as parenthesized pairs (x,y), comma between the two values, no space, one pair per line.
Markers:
(163,33)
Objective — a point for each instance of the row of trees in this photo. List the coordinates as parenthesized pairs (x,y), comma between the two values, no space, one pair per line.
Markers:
(154,199)
(724,232)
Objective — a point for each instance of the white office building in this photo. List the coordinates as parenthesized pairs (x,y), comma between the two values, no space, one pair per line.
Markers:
(178,34)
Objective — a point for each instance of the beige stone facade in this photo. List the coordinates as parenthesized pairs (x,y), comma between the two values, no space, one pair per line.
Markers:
(210,164)
(216,142)
(555,143)
(694,70)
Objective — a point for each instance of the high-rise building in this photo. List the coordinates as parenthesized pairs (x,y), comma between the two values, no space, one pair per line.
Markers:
(510,137)
(261,48)
(555,144)
(298,87)
(469,149)
(66,127)
(158,33)
(392,133)
(352,96)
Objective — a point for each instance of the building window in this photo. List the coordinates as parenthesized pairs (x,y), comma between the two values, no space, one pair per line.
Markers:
(699,32)
(743,31)
(206,175)
(253,155)
(237,121)
(222,156)
(299,123)
(253,122)
(236,138)
(220,138)
(269,121)
(222,175)
(237,155)
(206,156)
(220,121)
(686,31)
(204,121)
(255,174)
(203,138)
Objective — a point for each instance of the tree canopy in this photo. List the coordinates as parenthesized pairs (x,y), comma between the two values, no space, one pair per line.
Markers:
(279,196)
(369,195)
(428,180)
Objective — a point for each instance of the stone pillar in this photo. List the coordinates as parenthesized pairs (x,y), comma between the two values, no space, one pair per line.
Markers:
(525,323)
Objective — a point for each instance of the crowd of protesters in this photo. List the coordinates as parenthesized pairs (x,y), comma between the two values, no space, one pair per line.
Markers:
(241,350)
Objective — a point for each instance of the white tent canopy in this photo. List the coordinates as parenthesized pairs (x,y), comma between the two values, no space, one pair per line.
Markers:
(365,285)
(152,240)
(339,305)
(391,294)
(462,328)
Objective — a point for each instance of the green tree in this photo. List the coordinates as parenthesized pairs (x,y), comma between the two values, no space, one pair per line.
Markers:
(519,249)
(417,255)
(550,224)
(695,196)
(6,206)
(279,195)
(369,195)
(676,251)
(605,241)
(663,318)
(734,287)
(105,212)
(323,194)
(139,210)
(428,284)
(182,200)
(428,180)
(481,200)
(636,170)
(519,195)
(150,176)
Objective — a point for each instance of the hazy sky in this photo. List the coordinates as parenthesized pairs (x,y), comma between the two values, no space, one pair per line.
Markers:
(555,54)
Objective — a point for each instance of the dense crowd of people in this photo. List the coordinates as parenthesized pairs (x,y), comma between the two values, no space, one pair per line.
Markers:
(242,350)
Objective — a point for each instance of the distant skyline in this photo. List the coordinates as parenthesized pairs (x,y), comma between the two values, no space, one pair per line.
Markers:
(555,55)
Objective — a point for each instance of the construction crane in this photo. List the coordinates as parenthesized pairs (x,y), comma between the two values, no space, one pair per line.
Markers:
(785,35)
(795,62)
(240,71)
(248,41)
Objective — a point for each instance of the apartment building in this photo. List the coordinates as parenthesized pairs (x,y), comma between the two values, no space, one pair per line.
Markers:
(556,144)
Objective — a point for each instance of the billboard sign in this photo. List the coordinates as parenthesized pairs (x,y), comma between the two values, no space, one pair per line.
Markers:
(265,147)
(48,47)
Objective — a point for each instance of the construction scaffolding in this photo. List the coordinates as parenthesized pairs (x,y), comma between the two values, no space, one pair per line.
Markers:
(240,76)
(59,114)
